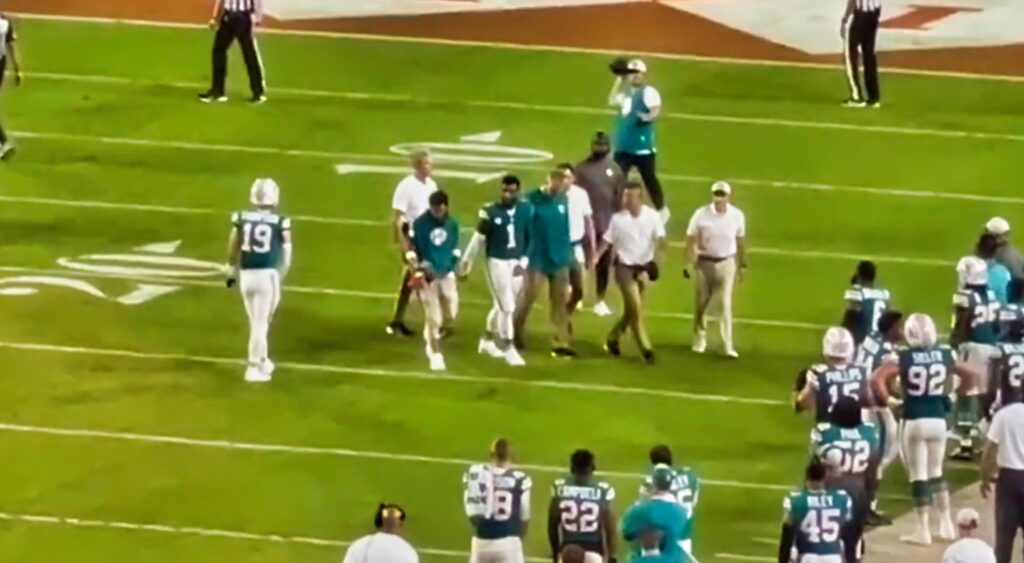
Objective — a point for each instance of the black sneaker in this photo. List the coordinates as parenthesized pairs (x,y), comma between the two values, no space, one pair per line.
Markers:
(258,99)
(399,328)
(875,520)
(612,347)
(211,97)
(648,356)
(563,352)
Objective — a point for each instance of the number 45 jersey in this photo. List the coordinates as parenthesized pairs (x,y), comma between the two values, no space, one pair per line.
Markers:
(581,508)
(497,500)
(262,237)
(817,518)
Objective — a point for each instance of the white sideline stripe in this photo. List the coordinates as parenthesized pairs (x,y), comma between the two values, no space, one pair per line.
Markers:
(442,377)
(811,186)
(578,110)
(366,294)
(206,532)
(520,47)
(334,452)
(738,557)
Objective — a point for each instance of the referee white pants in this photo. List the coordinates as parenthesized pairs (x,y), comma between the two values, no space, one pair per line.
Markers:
(261,292)
(505,288)
(715,281)
(504,550)
(440,301)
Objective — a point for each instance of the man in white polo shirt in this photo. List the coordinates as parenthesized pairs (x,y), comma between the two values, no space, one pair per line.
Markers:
(387,544)
(968,549)
(714,246)
(1002,463)
(635,233)
(411,199)
(581,235)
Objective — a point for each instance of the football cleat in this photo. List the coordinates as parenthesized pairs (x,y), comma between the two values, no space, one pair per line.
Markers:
(602,309)
(437,362)
(256,100)
(946,530)
(612,347)
(254,374)
(876,519)
(563,352)
(513,358)
(648,356)
(489,348)
(919,537)
(731,352)
(700,342)
(6,151)
(854,103)
(398,328)
(211,97)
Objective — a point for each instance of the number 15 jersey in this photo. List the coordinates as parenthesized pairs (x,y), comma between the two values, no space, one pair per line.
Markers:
(497,500)
(581,508)
(262,238)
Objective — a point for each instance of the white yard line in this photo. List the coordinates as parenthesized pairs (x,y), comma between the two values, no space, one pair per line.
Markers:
(520,47)
(401,374)
(579,110)
(738,557)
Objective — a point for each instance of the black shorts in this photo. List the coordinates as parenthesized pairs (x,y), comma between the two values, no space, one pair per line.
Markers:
(3,69)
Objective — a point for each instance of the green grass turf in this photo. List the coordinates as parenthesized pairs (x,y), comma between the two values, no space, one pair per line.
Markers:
(332,497)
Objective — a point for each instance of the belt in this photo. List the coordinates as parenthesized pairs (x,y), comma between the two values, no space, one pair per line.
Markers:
(714,259)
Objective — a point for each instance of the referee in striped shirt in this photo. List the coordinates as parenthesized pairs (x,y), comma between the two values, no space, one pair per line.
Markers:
(859,31)
(236,19)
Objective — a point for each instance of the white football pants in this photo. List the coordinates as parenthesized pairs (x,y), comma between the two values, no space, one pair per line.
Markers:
(261,292)
(885,421)
(439,297)
(923,443)
(812,558)
(505,288)
(505,550)
(979,356)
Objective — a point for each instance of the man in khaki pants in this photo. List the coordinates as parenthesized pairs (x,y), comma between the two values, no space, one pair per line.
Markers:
(714,247)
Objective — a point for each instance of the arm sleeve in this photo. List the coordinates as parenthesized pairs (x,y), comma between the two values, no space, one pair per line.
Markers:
(399,201)
(524,502)
(741,230)
(691,229)
(652,98)
(659,227)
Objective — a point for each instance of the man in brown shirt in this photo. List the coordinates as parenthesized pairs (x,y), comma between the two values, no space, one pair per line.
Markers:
(603,180)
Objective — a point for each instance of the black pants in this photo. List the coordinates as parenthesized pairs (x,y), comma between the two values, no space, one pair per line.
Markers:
(645,163)
(3,72)
(853,532)
(860,39)
(602,271)
(1009,512)
(236,25)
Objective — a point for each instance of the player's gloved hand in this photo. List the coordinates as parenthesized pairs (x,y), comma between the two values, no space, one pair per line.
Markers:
(230,282)
(231,273)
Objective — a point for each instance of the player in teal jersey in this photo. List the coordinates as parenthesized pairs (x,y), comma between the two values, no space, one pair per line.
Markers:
(813,520)
(925,370)
(1012,313)
(580,512)
(496,497)
(685,487)
(1008,367)
(821,385)
(659,513)
(259,256)
(851,448)
(865,303)
(433,255)
(502,231)
(975,333)
(876,348)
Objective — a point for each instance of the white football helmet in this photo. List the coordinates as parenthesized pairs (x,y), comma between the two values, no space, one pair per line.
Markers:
(919,331)
(265,192)
(972,271)
(838,344)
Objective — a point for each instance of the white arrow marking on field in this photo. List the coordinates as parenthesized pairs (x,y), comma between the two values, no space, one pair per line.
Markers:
(478,177)
(146,292)
(169,247)
(488,137)
(69,283)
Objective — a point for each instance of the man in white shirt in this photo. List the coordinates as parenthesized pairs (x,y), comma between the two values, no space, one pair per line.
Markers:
(715,247)
(635,233)
(968,549)
(581,235)
(1002,463)
(387,545)
(411,199)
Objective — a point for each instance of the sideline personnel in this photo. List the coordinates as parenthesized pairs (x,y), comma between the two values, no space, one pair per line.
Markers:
(714,244)
(7,51)
(236,19)
(859,30)
(603,180)
(387,544)
(968,549)
(1003,464)
(411,199)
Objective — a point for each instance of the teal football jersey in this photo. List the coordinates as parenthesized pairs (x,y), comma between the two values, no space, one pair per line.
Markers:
(984,309)
(505,229)
(262,238)
(497,502)
(685,488)
(855,448)
(926,377)
(582,507)
(870,302)
(549,247)
(436,242)
(1009,315)
(664,515)
(817,518)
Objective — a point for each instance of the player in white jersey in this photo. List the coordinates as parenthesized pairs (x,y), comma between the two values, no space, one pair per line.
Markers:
(497,501)
(259,256)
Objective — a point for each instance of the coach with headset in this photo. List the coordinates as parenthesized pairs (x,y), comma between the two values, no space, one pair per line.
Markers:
(387,544)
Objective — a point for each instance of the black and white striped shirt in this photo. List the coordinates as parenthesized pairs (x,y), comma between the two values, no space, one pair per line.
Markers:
(866,5)
(240,6)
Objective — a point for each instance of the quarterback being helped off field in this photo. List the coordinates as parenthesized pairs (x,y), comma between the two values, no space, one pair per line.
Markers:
(432,256)
(497,502)
(259,256)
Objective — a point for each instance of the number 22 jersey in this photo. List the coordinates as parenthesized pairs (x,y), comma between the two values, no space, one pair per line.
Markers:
(581,508)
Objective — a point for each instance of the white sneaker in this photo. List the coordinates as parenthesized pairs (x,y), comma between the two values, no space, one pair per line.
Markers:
(602,309)
(490,348)
(6,150)
(700,342)
(665,215)
(919,537)
(267,367)
(513,358)
(254,374)
(437,362)
(946,530)
(731,352)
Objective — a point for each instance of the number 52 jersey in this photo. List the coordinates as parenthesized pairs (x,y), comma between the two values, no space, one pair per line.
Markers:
(262,238)
(497,500)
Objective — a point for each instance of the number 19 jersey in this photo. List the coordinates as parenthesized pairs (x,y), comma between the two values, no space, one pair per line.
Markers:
(496,500)
(581,507)
(926,376)
(262,238)
(504,227)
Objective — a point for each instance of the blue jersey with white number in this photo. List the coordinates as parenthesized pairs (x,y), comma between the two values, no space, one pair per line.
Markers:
(582,505)
(1009,315)
(984,308)
(497,501)
(870,303)
(1009,369)
(926,376)
(834,381)
(817,517)
(854,448)
(261,236)
(504,227)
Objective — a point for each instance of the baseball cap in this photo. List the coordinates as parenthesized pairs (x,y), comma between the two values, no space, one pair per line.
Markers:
(967,518)
(721,186)
(637,65)
(997,226)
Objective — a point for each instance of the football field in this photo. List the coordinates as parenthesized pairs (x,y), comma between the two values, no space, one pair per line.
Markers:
(127,432)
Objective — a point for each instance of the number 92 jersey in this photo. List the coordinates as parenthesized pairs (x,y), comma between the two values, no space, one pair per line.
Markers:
(497,501)
(926,377)
(505,229)
(262,238)
(581,510)
(818,517)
